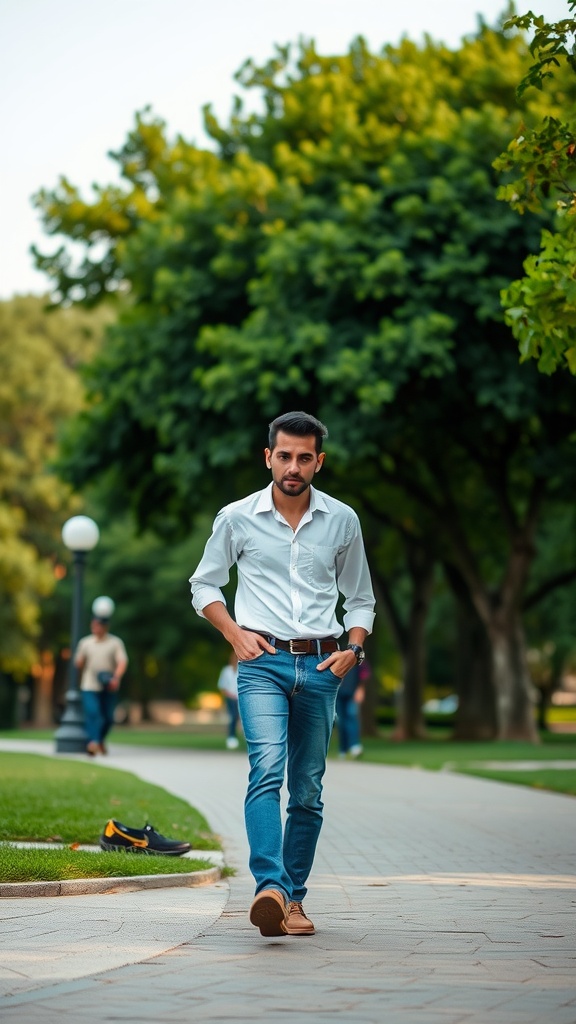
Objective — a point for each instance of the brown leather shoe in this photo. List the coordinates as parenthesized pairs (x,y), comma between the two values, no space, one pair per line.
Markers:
(268,912)
(92,748)
(297,922)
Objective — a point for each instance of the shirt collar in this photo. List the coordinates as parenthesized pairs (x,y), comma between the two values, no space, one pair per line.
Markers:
(266,504)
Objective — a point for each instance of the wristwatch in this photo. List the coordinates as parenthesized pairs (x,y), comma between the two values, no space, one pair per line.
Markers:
(358,652)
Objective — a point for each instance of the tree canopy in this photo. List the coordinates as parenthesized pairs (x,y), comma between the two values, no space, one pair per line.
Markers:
(342,251)
(40,356)
(541,306)
(358,205)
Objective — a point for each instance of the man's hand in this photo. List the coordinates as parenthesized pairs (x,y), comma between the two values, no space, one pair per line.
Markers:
(340,662)
(249,645)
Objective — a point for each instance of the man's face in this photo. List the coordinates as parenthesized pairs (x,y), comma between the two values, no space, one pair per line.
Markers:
(294,461)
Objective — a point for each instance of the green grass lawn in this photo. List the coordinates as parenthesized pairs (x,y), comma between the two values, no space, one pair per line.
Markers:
(21,865)
(558,780)
(437,753)
(43,799)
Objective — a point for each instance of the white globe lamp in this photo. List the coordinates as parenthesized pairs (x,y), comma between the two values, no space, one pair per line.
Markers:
(103,607)
(80,533)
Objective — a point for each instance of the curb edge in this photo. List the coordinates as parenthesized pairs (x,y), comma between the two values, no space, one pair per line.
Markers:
(88,886)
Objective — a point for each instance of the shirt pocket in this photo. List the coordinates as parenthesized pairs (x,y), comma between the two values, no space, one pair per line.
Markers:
(321,564)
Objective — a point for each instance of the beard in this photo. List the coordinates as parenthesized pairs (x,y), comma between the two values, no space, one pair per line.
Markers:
(292,488)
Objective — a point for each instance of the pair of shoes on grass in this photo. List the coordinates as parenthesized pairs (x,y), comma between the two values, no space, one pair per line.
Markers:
(119,838)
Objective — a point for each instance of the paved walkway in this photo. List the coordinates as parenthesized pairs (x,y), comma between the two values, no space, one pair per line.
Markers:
(438,899)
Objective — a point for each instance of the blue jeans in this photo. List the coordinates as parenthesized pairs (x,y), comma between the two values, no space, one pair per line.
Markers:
(287,711)
(348,712)
(98,713)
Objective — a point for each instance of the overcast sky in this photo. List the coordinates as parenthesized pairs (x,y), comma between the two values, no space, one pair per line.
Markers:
(73,73)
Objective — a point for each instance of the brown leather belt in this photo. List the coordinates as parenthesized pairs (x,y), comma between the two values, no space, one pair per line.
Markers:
(298,646)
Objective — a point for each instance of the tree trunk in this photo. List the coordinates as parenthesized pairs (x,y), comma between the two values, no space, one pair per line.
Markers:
(476,715)
(514,703)
(411,640)
(410,723)
(500,613)
(43,698)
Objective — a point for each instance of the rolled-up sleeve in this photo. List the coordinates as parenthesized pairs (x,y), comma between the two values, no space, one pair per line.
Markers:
(354,581)
(213,572)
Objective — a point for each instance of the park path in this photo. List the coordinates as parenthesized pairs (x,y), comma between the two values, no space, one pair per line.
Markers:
(438,899)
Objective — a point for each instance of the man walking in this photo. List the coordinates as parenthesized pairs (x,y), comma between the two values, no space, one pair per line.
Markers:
(102,659)
(295,549)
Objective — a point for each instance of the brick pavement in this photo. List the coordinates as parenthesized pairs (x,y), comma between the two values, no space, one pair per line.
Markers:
(438,899)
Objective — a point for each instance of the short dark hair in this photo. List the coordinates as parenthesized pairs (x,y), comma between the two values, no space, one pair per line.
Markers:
(299,424)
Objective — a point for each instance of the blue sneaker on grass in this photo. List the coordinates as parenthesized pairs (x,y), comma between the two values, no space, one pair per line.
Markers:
(120,838)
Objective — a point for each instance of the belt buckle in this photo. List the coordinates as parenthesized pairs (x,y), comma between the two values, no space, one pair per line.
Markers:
(295,644)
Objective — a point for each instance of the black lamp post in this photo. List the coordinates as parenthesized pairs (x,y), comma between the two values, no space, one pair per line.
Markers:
(80,534)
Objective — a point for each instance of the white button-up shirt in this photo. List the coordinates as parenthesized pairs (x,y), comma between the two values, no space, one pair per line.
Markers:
(288,580)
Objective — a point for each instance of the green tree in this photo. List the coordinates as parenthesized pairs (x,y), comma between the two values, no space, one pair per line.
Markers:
(40,354)
(540,307)
(344,252)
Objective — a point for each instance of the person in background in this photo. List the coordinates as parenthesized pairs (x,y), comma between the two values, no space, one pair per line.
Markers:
(228,684)
(351,694)
(102,660)
(295,549)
